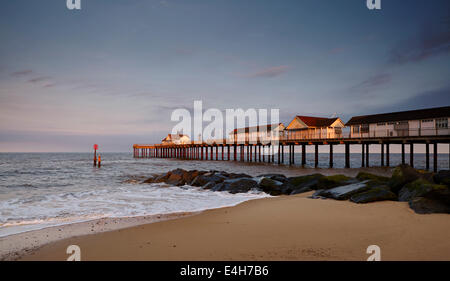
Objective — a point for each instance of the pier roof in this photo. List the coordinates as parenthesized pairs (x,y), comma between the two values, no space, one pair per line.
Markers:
(437,112)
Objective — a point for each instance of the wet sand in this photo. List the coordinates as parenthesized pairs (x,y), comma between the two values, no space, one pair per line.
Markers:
(14,246)
(277,228)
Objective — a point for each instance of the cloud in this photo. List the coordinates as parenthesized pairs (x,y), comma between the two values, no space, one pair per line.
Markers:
(268,72)
(372,83)
(429,43)
(426,99)
(49,85)
(22,73)
(336,50)
(39,79)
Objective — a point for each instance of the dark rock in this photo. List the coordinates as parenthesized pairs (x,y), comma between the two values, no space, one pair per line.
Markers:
(238,176)
(374,194)
(270,186)
(202,180)
(277,177)
(363,176)
(334,181)
(296,185)
(404,174)
(150,180)
(422,205)
(175,177)
(240,185)
(418,188)
(317,194)
(346,191)
(209,185)
(299,190)
(161,178)
(442,177)
(189,176)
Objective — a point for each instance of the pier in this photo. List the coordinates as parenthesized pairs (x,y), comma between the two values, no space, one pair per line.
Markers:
(249,151)
(428,127)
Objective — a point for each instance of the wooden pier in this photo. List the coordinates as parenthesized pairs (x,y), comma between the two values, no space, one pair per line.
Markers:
(256,151)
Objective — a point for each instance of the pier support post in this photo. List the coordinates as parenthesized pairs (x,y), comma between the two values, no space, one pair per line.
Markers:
(290,154)
(387,154)
(362,155)
(273,153)
(259,154)
(279,154)
(235,152)
(347,155)
(264,153)
(282,154)
(293,154)
(427,156)
(382,154)
(303,154)
(331,155)
(255,153)
(435,154)
(316,155)
(367,155)
(403,153)
(248,153)
(411,154)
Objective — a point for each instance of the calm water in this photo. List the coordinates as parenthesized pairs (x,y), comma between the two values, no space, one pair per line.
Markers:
(45,189)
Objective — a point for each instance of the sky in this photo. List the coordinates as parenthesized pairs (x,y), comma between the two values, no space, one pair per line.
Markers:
(113,72)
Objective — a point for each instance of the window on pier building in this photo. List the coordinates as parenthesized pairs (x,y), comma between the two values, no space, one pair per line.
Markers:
(364,128)
(355,129)
(442,123)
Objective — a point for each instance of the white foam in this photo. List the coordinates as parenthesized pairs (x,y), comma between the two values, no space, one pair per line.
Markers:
(37,211)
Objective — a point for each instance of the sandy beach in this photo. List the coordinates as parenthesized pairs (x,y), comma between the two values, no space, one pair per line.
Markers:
(277,228)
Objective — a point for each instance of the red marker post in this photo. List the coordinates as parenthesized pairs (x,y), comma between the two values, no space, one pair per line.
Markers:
(95,154)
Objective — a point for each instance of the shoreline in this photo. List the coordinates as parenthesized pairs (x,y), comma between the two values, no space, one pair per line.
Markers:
(276,228)
(14,246)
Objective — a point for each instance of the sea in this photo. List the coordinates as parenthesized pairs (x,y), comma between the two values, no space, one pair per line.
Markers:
(39,190)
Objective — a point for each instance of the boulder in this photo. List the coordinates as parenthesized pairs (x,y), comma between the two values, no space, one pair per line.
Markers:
(189,176)
(374,194)
(363,176)
(209,185)
(150,180)
(317,194)
(202,180)
(240,185)
(175,177)
(296,185)
(277,177)
(346,191)
(334,181)
(402,174)
(238,176)
(418,188)
(442,177)
(422,205)
(270,186)
(161,178)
